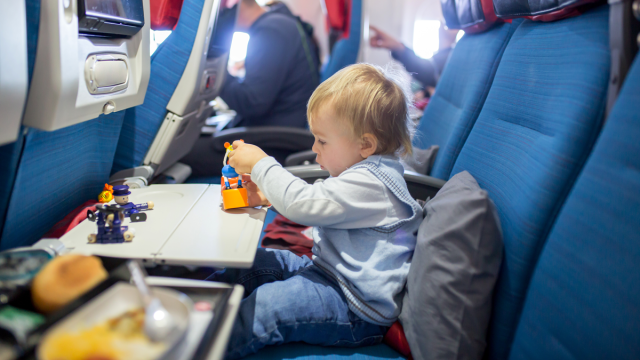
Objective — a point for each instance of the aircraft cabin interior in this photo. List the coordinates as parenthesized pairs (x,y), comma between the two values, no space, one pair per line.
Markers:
(319,179)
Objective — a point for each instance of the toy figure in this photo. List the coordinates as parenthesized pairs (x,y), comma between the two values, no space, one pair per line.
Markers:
(121,195)
(232,198)
(106,195)
(110,229)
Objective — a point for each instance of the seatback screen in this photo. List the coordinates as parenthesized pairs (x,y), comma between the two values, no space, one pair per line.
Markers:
(223,32)
(126,11)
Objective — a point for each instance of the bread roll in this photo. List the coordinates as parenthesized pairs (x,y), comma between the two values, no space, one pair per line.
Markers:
(64,279)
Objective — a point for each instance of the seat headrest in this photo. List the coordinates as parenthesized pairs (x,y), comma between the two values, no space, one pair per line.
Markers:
(164,14)
(472,16)
(336,14)
(339,16)
(541,10)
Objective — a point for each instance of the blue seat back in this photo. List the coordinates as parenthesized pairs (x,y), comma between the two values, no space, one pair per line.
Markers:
(141,123)
(345,51)
(536,129)
(57,172)
(584,297)
(51,173)
(460,94)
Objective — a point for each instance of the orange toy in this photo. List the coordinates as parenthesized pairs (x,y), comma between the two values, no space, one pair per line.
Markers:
(106,195)
(232,198)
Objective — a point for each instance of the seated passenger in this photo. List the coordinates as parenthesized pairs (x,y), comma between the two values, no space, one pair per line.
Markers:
(281,67)
(364,222)
(427,71)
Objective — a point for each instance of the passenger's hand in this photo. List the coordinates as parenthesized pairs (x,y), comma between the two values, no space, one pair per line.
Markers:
(245,156)
(383,40)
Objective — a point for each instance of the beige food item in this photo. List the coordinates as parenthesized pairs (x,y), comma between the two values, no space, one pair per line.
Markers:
(119,338)
(64,279)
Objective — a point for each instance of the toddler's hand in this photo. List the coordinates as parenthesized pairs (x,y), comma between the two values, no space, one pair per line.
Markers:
(244,157)
(255,196)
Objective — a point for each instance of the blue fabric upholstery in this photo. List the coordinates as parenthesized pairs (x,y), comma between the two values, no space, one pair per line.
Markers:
(58,171)
(268,219)
(345,51)
(9,158)
(461,92)
(584,295)
(309,352)
(141,123)
(535,131)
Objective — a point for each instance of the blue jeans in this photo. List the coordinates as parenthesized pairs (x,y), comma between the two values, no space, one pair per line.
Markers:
(289,299)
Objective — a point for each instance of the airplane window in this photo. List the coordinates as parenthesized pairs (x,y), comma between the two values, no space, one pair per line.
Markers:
(239,46)
(426,41)
(238,53)
(157,37)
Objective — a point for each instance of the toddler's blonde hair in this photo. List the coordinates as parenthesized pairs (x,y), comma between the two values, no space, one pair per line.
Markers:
(368,99)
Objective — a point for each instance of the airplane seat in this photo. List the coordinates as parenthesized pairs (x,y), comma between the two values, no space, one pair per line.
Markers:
(464,84)
(345,51)
(143,123)
(583,299)
(533,135)
(70,125)
(165,14)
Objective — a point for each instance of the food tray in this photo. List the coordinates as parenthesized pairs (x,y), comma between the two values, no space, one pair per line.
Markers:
(204,324)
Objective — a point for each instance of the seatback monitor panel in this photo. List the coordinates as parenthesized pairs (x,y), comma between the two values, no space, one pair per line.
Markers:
(110,17)
(223,33)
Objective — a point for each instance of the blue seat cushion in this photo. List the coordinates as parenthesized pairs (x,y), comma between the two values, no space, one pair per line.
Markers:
(141,123)
(302,351)
(583,302)
(9,159)
(536,129)
(57,172)
(460,94)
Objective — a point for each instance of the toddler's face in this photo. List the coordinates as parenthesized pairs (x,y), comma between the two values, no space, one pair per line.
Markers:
(336,147)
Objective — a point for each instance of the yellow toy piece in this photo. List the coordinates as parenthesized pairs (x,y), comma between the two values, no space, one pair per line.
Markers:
(234,198)
(106,195)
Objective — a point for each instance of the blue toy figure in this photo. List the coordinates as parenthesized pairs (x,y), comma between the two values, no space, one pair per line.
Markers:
(110,230)
(227,171)
(121,196)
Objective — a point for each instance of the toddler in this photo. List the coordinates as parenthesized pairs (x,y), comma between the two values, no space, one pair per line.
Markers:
(363,216)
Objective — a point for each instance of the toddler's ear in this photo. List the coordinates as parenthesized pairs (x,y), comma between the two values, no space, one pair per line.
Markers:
(369,145)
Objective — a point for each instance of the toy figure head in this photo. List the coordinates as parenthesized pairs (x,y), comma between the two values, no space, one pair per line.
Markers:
(121,194)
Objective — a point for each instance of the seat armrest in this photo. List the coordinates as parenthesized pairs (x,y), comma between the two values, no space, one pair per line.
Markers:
(271,137)
(301,158)
(419,186)
(422,186)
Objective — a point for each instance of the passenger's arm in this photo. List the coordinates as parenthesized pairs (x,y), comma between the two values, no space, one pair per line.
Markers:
(354,199)
(266,64)
(421,69)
